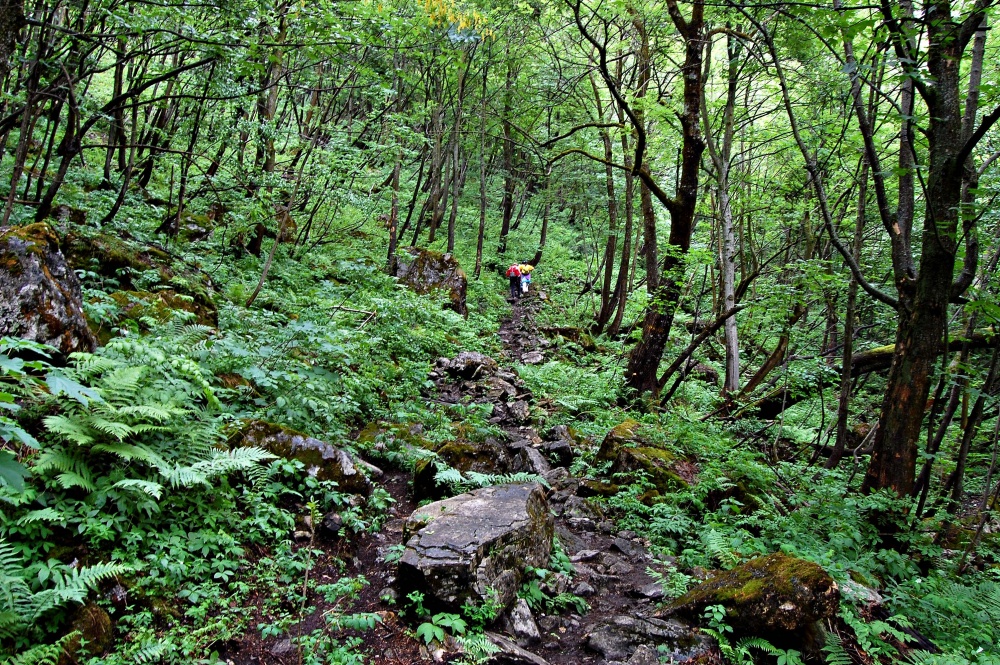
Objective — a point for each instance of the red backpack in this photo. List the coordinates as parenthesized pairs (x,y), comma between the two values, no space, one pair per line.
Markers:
(513,271)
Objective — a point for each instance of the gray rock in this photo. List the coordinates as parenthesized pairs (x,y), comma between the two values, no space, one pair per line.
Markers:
(620,568)
(558,432)
(388,595)
(584,590)
(532,358)
(585,555)
(628,548)
(511,654)
(461,548)
(40,296)
(577,507)
(282,648)
(424,271)
(331,525)
(471,365)
(561,452)
(623,635)
(522,624)
(556,474)
(652,591)
(519,412)
(644,655)
(322,460)
(532,461)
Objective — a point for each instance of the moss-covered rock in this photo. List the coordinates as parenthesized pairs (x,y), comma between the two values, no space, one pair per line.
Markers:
(144,268)
(774,594)
(40,296)
(631,450)
(425,271)
(482,457)
(95,634)
(322,460)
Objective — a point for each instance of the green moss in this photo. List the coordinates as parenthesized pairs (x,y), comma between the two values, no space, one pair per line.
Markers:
(757,592)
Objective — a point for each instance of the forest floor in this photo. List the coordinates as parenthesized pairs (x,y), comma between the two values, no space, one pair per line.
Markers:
(610,565)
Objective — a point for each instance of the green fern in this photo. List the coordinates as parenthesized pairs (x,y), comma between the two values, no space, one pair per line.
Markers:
(42,654)
(834,651)
(21,607)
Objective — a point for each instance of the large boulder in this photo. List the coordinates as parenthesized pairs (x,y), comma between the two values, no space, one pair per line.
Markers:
(471,546)
(143,271)
(772,595)
(631,448)
(425,271)
(40,296)
(322,460)
(482,457)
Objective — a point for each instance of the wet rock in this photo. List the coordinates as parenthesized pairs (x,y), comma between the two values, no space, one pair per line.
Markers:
(511,654)
(560,452)
(621,637)
(529,459)
(461,548)
(482,457)
(521,624)
(771,594)
(321,460)
(584,590)
(424,271)
(143,268)
(470,365)
(40,296)
(630,450)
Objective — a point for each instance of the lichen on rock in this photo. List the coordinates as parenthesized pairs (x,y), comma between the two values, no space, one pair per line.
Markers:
(322,460)
(425,271)
(40,296)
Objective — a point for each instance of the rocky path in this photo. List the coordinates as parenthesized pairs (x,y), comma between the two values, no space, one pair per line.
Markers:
(610,566)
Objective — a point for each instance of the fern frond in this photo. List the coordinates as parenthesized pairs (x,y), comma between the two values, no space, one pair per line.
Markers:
(42,654)
(70,428)
(834,652)
(147,487)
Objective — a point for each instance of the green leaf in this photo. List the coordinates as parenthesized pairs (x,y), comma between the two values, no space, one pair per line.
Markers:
(12,472)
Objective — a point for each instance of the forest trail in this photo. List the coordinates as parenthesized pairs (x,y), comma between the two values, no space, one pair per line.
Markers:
(610,565)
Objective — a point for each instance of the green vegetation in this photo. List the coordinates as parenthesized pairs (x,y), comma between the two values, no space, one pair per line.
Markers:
(737,210)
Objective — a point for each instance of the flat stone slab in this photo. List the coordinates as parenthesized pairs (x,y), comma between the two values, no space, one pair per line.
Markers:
(475,545)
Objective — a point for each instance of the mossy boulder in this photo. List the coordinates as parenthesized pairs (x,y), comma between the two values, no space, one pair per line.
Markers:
(40,296)
(95,634)
(772,595)
(146,306)
(632,450)
(322,460)
(144,268)
(482,457)
(424,271)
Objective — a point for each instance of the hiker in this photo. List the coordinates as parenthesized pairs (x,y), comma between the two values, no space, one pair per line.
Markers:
(514,273)
(525,269)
